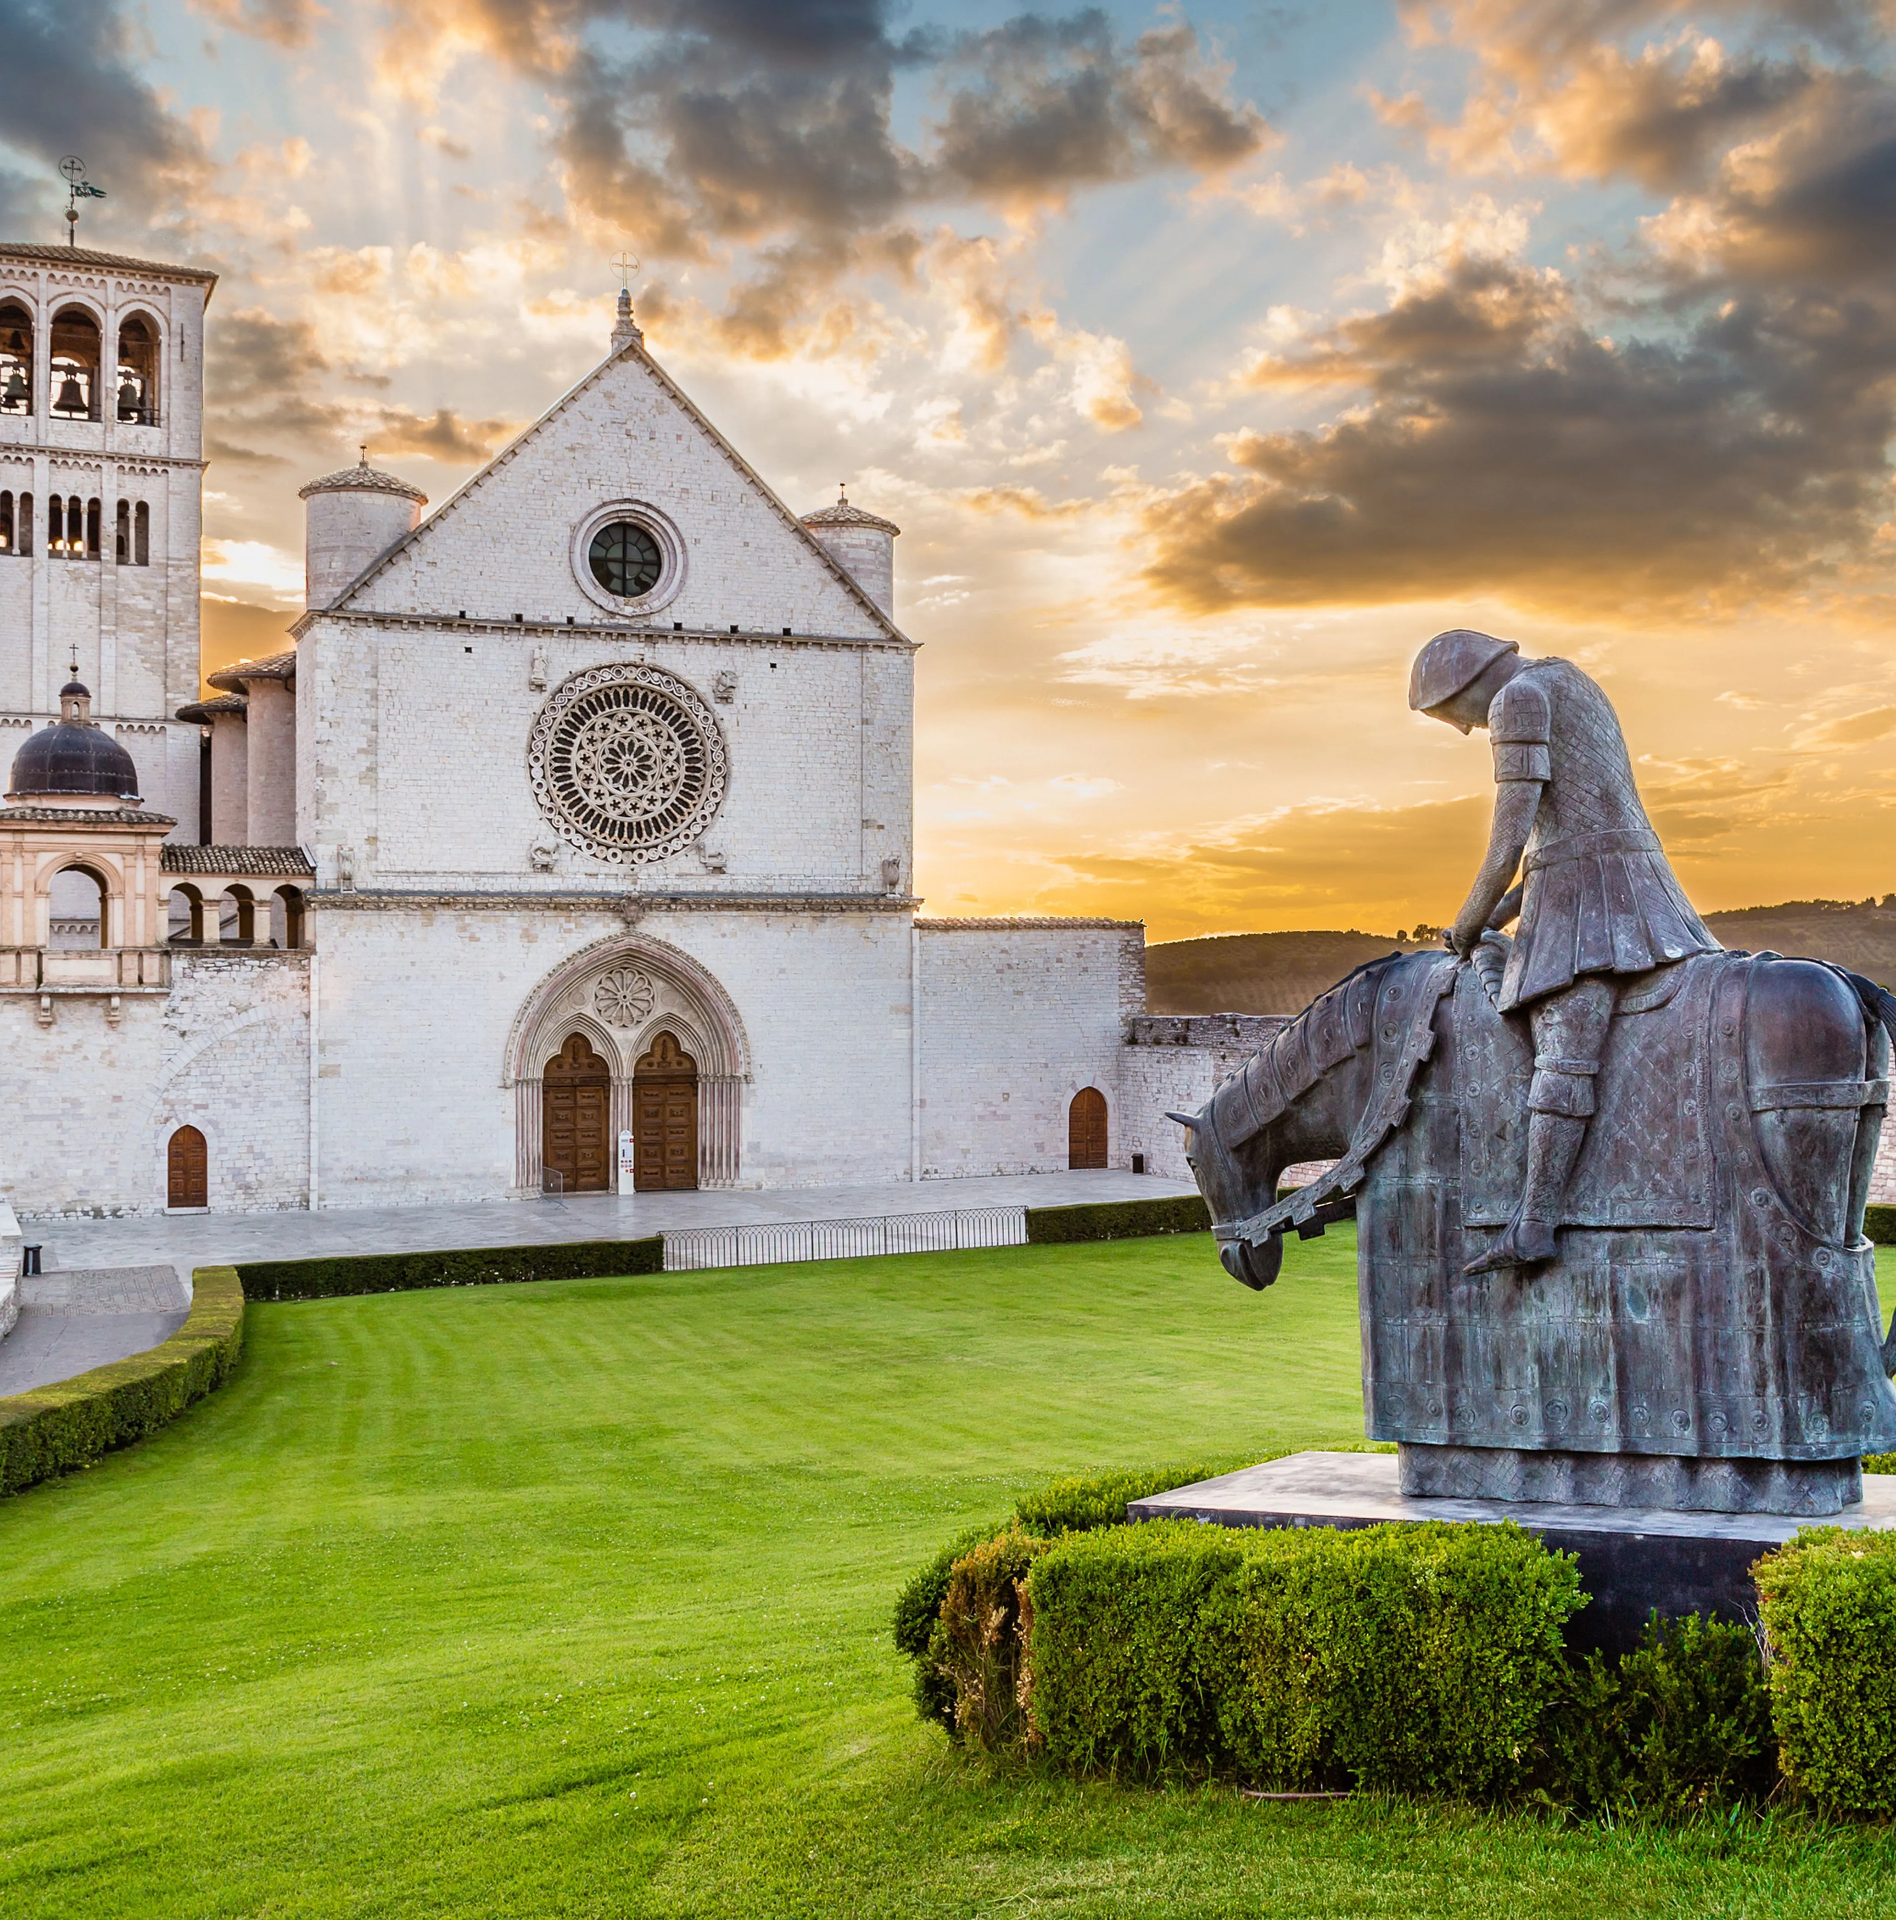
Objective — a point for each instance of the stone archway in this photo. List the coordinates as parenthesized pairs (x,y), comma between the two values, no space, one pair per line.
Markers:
(621,993)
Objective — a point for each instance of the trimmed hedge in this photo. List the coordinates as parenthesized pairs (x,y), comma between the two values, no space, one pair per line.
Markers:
(1117,1220)
(1406,1658)
(53,1429)
(1681,1723)
(345,1274)
(1413,1658)
(1879,1224)
(1828,1604)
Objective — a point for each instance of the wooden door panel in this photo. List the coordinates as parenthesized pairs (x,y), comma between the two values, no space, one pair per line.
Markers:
(187,1169)
(1086,1129)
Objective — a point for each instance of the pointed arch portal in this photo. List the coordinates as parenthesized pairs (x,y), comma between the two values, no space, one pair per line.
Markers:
(664,1053)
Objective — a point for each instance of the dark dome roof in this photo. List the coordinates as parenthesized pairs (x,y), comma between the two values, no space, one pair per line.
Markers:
(73,757)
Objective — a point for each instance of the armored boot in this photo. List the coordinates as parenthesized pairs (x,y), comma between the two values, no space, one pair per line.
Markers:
(1559,1106)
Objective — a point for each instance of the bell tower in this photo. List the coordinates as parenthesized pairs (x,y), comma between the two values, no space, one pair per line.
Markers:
(101,483)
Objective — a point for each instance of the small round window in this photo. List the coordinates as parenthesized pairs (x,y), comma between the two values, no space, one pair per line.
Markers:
(625,559)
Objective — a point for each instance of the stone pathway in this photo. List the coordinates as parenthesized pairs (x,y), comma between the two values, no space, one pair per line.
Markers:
(206,1239)
(49,1344)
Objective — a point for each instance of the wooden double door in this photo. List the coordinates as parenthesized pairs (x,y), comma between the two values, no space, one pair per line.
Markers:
(665,1118)
(578,1149)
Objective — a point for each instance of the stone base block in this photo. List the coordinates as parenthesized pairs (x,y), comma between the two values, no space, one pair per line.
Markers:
(1806,1488)
(1632,1559)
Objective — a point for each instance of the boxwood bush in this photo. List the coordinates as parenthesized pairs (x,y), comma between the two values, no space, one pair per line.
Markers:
(1117,1220)
(1828,1604)
(1412,1658)
(52,1429)
(1415,1658)
(340,1274)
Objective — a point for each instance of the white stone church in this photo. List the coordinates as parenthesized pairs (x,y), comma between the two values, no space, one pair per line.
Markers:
(569,848)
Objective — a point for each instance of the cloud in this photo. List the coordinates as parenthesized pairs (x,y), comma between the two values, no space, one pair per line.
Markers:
(1034,108)
(1502,447)
(691,125)
(1812,199)
(266,383)
(283,23)
(1853,730)
(69,82)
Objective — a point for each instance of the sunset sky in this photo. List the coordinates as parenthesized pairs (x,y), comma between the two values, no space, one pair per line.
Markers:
(1211,359)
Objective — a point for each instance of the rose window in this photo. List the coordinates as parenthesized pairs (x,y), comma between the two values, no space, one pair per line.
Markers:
(627,762)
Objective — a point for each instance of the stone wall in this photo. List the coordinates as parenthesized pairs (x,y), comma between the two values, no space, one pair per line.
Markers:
(1016,1017)
(419,1008)
(1172,1064)
(96,1098)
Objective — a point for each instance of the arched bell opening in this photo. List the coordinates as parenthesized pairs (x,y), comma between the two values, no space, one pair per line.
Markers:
(74,365)
(665,1118)
(576,1119)
(237,918)
(286,918)
(1086,1130)
(16,358)
(77,917)
(187,1169)
(137,378)
(184,918)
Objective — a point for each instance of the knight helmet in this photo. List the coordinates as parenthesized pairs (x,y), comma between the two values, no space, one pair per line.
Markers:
(1451,661)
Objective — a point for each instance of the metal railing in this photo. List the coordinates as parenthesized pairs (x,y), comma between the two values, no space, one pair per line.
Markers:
(768,1243)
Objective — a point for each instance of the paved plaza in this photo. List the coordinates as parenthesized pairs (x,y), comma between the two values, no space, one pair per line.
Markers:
(211,1239)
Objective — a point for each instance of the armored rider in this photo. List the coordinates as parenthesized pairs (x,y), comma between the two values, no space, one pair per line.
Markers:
(1596,901)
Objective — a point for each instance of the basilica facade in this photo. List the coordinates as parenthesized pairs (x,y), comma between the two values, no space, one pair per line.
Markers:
(567,846)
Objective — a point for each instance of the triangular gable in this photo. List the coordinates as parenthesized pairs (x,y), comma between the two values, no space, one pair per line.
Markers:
(465,494)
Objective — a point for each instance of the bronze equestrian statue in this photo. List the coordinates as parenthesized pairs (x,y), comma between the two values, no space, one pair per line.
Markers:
(1609,1179)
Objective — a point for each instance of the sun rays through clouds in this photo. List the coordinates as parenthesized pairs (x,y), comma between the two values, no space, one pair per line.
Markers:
(1210,357)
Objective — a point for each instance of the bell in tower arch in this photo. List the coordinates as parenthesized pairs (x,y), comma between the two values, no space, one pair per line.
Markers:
(71,398)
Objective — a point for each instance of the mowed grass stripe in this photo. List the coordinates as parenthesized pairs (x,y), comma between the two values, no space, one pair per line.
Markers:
(572,1598)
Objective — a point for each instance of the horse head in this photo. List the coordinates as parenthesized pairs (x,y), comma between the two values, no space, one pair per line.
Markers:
(1232,1179)
(1297,1098)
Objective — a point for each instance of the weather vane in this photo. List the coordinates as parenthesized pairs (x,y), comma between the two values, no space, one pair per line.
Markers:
(627,266)
(78,188)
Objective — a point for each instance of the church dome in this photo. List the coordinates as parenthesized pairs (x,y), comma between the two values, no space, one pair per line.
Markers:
(73,758)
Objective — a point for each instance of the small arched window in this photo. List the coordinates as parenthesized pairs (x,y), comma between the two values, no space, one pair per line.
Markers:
(6,523)
(94,515)
(185,918)
(16,358)
(76,911)
(122,535)
(1086,1129)
(75,365)
(141,538)
(138,358)
(187,1169)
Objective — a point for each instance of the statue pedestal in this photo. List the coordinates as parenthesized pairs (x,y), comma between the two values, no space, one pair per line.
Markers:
(1632,1559)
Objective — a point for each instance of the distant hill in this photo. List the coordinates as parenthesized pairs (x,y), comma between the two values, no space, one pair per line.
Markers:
(1254,972)
(1284,972)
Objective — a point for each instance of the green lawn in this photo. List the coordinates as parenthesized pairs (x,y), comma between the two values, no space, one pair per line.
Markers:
(572,1599)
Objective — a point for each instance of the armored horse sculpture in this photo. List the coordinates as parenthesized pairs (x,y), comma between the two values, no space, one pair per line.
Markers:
(1609,1179)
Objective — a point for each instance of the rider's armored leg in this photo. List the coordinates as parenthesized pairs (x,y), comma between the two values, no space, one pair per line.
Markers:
(1569,1030)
